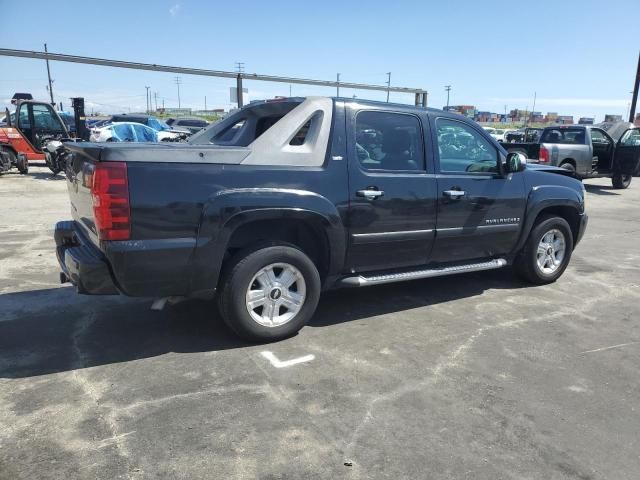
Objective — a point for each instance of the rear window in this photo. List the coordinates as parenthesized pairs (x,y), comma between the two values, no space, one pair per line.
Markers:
(568,136)
(243,127)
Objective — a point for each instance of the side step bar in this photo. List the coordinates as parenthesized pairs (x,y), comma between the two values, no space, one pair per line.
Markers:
(362,281)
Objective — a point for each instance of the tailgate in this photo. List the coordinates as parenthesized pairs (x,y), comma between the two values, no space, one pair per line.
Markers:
(79,170)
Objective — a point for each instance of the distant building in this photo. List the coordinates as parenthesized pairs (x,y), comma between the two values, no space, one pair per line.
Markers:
(586,121)
(466,110)
(636,122)
(178,111)
(613,118)
(565,120)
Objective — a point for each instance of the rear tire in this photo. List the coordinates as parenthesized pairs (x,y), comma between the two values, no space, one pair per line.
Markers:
(620,181)
(270,293)
(547,252)
(569,168)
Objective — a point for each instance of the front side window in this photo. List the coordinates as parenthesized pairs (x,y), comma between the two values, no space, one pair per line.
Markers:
(631,138)
(45,119)
(463,149)
(24,116)
(389,141)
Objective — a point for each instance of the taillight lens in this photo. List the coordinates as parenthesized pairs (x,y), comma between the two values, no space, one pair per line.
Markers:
(110,193)
(543,157)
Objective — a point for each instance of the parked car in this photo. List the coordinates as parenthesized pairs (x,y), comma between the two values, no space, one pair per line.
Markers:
(588,151)
(283,200)
(193,124)
(165,132)
(123,132)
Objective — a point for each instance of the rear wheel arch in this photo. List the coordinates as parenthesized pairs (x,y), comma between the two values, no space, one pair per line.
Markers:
(306,234)
(569,161)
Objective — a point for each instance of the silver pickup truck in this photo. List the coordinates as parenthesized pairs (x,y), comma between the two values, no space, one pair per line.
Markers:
(590,152)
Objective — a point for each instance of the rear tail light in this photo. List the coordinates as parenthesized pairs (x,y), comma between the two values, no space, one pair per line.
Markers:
(110,193)
(544,155)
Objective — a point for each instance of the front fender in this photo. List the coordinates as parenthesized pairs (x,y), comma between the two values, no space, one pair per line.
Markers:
(227,210)
(543,197)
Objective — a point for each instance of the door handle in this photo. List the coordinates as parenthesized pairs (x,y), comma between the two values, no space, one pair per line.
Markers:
(454,194)
(370,194)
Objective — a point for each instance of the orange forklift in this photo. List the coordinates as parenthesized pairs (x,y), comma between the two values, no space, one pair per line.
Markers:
(35,132)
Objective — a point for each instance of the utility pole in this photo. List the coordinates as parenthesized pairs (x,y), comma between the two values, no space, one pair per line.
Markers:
(178,82)
(49,76)
(534,107)
(338,86)
(205,103)
(155,98)
(634,99)
(388,84)
(148,98)
(448,90)
(290,90)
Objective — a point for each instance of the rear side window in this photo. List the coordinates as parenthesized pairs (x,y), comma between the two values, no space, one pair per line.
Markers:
(230,133)
(389,141)
(565,136)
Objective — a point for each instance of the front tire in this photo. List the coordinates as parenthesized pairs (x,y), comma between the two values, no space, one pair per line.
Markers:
(22,164)
(620,181)
(547,252)
(270,293)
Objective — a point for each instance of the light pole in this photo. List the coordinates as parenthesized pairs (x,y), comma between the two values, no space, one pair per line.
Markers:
(448,89)
(388,84)
(147,97)
(49,76)
(178,82)
(338,86)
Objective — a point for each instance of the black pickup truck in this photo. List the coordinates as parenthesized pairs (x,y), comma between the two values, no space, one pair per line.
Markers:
(284,199)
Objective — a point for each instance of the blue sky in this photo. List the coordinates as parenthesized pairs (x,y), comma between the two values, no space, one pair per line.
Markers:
(579,56)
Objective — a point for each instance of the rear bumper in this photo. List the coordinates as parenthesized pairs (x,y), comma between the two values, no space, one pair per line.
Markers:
(584,220)
(81,262)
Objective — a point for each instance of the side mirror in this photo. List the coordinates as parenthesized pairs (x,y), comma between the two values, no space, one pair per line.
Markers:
(516,162)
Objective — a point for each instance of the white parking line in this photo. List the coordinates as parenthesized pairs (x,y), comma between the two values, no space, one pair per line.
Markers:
(287,363)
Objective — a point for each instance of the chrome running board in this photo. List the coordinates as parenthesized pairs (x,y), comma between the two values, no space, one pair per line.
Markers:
(362,280)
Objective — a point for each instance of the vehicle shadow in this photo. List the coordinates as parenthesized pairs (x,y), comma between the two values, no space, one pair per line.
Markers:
(56,330)
(600,189)
(48,175)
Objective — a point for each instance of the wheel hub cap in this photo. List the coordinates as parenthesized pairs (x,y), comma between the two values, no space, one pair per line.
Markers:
(276,294)
(551,251)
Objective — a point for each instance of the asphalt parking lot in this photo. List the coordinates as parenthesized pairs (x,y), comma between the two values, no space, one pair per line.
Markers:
(476,376)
